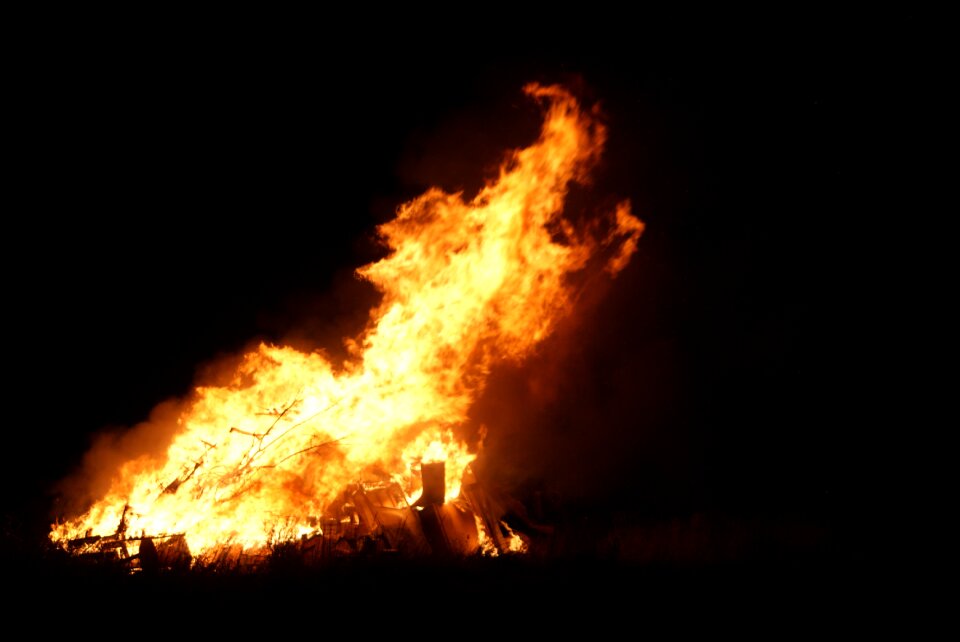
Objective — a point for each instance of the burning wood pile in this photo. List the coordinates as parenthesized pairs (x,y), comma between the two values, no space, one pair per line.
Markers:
(374,453)
(369,519)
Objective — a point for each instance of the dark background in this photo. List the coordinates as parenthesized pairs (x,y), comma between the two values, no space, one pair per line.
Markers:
(177,201)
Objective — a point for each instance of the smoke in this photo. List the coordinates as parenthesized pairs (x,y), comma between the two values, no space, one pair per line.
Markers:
(311,321)
(595,415)
(111,449)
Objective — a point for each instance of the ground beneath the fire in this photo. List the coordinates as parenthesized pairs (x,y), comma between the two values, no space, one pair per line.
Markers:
(499,597)
(594,571)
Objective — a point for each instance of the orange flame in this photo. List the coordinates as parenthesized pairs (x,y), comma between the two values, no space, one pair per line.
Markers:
(466,285)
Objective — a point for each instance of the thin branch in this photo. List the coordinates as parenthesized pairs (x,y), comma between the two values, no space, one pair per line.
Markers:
(255,435)
(304,421)
(300,452)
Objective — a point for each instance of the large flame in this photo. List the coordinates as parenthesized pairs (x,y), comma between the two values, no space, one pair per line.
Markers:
(465,285)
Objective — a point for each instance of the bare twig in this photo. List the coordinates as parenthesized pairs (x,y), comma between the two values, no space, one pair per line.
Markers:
(300,452)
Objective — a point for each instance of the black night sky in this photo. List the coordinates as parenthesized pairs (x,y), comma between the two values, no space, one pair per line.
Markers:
(179,204)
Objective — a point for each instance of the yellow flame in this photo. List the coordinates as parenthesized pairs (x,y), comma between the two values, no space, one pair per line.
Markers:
(485,542)
(466,285)
(513,543)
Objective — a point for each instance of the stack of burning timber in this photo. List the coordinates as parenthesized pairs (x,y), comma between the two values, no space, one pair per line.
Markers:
(369,520)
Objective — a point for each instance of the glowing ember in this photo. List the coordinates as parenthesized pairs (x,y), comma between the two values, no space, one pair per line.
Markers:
(466,285)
